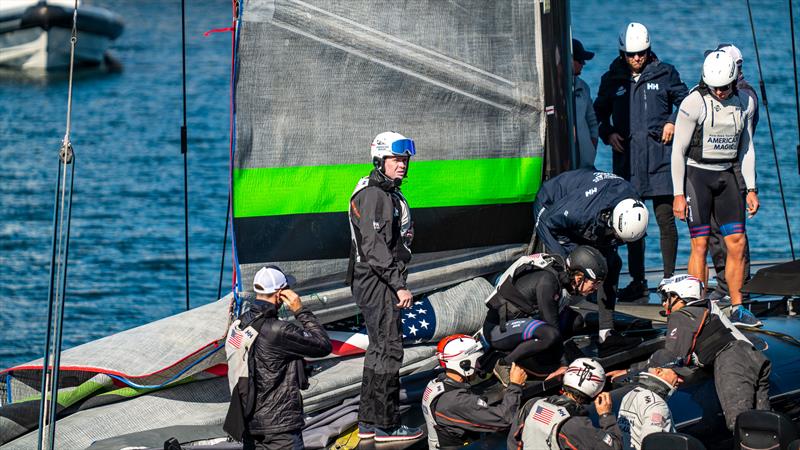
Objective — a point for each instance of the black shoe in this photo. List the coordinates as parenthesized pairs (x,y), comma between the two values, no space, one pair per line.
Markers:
(634,291)
(616,343)
(502,372)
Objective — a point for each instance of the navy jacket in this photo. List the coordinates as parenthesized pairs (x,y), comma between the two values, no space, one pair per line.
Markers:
(638,111)
(574,208)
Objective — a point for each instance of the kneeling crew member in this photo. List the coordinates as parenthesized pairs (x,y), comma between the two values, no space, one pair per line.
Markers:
(528,315)
(698,332)
(453,413)
(644,410)
(562,422)
(584,207)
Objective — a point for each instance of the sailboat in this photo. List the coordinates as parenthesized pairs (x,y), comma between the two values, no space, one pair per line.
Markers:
(482,90)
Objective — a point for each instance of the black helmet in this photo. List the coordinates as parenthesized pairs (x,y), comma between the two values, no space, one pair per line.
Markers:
(589,261)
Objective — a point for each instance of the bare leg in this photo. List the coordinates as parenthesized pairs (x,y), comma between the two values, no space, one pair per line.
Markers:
(734,265)
(697,259)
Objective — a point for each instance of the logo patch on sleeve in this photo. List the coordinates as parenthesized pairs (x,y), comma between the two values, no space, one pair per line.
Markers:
(608,440)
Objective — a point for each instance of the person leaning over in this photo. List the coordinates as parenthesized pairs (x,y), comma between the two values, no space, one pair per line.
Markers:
(453,412)
(381,232)
(714,129)
(561,422)
(634,106)
(278,368)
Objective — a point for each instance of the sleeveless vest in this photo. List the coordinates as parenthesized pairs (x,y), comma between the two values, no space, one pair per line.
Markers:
(716,140)
(542,425)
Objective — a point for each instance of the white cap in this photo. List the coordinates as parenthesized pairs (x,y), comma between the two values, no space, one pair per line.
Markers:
(732,51)
(269,280)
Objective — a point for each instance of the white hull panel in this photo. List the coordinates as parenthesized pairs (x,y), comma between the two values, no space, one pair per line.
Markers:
(37,49)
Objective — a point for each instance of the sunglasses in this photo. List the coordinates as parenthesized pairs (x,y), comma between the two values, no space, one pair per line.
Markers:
(632,54)
(724,89)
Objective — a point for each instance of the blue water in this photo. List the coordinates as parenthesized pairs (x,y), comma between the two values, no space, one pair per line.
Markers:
(126,254)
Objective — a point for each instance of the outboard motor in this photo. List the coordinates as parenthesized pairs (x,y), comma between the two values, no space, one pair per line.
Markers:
(762,430)
(671,441)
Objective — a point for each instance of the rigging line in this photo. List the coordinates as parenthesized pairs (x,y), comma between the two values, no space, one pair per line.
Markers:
(769,124)
(224,245)
(185,152)
(796,93)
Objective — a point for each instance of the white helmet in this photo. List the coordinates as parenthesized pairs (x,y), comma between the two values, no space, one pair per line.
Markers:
(630,219)
(719,69)
(634,38)
(734,52)
(686,287)
(459,353)
(390,143)
(585,375)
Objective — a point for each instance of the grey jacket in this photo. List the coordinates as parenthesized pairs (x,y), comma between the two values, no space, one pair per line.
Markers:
(586,124)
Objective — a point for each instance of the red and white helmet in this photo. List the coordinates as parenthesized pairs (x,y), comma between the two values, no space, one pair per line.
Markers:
(585,375)
(459,353)
(686,287)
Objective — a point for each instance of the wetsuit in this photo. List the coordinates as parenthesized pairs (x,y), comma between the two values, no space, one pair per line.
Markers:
(644,411)
(381,232)
(710,135)
(700,334)
(454,414)
(558,422)
(526,312)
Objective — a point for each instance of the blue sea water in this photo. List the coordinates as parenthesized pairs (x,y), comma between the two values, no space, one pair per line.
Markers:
(126,254)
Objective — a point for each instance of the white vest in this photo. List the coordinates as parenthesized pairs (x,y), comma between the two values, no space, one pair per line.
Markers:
(542,425)
(433,390)
(721,130)
(642,412)
(237,348)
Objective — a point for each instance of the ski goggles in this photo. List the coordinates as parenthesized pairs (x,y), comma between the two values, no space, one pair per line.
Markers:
(403,147)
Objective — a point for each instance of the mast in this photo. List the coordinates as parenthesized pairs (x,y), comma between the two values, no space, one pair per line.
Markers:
(560,149)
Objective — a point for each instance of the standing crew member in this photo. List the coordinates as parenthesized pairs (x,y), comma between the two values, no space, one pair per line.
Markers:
(716,240)
(455,414)
(584,207)
(381,231)
(528,316)
(701,335)
(586,120)
(644,410)
(714,129)
(561,422)
(635,109)
(274,418)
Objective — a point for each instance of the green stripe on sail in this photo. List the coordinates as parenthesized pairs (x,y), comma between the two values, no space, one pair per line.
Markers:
(326,189)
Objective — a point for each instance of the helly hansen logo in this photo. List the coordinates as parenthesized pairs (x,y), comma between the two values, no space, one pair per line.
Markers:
(591,191)
(652,86)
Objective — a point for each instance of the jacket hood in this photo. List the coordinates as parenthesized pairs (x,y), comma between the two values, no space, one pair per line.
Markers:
(655,384)
(574,408)
(377,178)
(260,306)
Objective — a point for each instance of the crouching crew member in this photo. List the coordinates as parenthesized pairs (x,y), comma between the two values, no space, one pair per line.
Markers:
(453,413)
(562,421)
(698,332)
(644,410)
(528,316)
(584,207)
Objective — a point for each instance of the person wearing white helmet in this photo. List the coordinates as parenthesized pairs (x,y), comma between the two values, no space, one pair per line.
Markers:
(716,240)
(381,231)
(598,209)
(562,421)
(714,130)
(636,106)
(454,413)
(701,335)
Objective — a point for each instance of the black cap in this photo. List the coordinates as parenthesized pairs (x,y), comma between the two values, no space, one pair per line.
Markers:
(579,53)
(662,359)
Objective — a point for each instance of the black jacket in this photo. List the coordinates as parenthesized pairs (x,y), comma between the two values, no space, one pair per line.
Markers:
(638,110)
(380,244)
(574,208)
(277,370)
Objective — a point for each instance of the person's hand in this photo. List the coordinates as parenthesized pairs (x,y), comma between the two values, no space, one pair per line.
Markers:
(603,404)
(614,374)
(557,374)
(405,297)
(679,207)
(669,131)
(291,299)
(617,143)
(752,204)
(517,375)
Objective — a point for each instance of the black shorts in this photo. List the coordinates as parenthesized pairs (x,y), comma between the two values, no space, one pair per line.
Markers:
(717,192)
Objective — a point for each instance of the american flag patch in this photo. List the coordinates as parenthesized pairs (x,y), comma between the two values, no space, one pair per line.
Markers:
(235,339)
(427,394)
(543,415)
